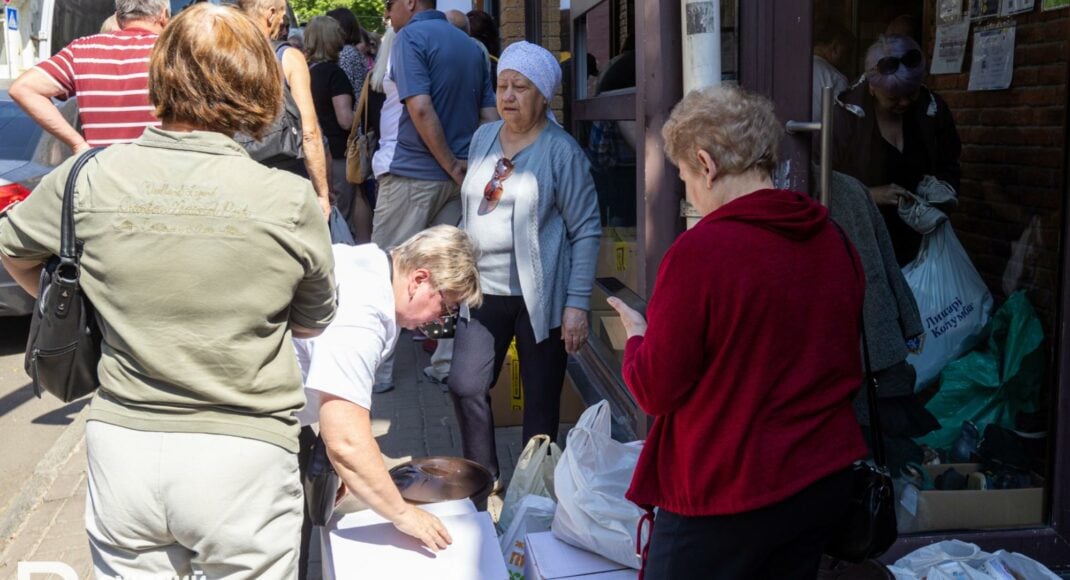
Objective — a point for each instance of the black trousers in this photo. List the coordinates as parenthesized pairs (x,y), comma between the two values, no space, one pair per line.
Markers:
(782,541)
(306,440)
(479,349)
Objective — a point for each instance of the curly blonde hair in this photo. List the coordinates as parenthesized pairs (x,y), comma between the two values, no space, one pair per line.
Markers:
(450,255)
(739,130)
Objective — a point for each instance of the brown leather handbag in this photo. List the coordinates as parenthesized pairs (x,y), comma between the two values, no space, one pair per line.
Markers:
(361,142)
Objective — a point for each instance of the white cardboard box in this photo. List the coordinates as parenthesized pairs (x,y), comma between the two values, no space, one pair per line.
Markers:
(364,545)
(547,558)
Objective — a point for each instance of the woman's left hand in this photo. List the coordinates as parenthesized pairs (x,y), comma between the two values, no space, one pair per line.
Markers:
(574,329)
(634,323)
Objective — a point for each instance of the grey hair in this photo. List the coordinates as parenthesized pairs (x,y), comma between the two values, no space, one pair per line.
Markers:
(127,10)
(903,81)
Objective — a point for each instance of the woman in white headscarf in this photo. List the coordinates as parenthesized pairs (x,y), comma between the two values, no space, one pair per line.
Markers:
(530,203)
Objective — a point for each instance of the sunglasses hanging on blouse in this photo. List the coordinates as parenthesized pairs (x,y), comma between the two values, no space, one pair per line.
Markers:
(492,193)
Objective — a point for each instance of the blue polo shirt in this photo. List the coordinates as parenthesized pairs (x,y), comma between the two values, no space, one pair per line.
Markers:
(432,57)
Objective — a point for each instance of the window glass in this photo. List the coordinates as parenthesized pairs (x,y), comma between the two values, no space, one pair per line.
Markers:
(21,133)
(954,187)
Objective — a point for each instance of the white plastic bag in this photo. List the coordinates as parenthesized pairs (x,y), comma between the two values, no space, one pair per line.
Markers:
(590,481)
(534,513)
(952,299)
(958,560)
(534,475)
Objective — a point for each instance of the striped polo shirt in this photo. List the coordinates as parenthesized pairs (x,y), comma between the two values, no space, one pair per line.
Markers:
(109,73)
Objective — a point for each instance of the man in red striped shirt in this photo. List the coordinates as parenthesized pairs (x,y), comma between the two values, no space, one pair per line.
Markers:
(108,73)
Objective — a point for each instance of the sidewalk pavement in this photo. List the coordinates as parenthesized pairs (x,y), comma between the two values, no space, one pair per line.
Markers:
(414,420)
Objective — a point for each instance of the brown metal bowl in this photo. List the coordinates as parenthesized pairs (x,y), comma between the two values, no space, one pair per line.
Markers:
(435,479)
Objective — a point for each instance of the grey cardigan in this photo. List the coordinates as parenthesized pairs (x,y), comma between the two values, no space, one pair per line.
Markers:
(889,312)
(556,228)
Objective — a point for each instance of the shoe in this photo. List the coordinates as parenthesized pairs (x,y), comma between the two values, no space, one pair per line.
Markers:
(384,387)
(429,374)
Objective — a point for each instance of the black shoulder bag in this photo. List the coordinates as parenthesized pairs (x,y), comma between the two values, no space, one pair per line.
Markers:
(868,528)
(63,348)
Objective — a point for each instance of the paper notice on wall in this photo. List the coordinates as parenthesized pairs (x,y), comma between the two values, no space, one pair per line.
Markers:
(983,9)
(1054,4)
(1009,7)
(950,11)
(993,58)
(950,48)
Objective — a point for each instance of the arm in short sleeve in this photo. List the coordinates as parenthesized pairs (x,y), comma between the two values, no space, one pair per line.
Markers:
(345,358)
(314,301)
(409,67)
(30,230)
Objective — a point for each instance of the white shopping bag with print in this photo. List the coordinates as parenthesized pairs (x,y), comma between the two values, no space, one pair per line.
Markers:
(953,301)
(590,480)
(534,475)
(534,514)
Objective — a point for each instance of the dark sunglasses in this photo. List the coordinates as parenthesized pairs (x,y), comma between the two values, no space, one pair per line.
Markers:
(890,64)
(492,193)
(446,324)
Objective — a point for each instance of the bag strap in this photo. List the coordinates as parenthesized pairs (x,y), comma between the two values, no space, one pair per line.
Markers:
(68,243)
(362,109)
(876,439)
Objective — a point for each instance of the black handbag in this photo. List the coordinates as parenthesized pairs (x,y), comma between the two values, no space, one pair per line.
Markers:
(63,348)
(320,483)
(868,528)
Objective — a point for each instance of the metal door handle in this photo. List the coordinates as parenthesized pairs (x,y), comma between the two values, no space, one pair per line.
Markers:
(824,126)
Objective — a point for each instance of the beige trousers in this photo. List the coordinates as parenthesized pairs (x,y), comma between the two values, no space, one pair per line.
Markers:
(162,505)
(406,206)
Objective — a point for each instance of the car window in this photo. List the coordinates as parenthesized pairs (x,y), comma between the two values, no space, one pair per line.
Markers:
(20,133)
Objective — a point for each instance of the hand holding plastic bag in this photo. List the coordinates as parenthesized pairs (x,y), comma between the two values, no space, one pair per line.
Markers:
(590,480)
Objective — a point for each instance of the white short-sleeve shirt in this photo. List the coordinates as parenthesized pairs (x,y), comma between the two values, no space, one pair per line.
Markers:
(342,360)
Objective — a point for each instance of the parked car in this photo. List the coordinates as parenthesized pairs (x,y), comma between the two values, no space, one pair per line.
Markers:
(27,153)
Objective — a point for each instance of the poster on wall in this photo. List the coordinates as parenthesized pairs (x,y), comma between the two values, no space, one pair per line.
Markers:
(1010,7)
(983,9)
(992,66)
(950,47)
(949,11)
(1054,4)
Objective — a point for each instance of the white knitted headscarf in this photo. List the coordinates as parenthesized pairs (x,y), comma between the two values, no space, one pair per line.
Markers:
(537,64)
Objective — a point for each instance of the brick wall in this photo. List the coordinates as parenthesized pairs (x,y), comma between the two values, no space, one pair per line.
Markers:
(1014,159)
(511,29)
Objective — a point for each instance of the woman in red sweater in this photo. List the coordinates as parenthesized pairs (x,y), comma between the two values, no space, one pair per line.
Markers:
(749,362)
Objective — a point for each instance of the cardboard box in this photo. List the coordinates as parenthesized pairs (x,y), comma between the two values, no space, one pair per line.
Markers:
(507,395)
(969,509)
(548,558)
(613,334)
(618,256)
(363,545)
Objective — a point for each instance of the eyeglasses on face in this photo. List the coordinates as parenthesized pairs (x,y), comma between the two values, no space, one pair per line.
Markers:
(890,64)
(492,193)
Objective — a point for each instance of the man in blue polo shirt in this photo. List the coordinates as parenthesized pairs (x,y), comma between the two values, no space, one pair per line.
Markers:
(446,92)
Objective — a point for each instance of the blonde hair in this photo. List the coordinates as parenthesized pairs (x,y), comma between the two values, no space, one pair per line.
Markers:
(450,255)
(324,39)
(213,68)
(382,58)
(739,130)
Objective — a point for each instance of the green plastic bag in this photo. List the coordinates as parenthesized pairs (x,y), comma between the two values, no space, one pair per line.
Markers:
(997,380)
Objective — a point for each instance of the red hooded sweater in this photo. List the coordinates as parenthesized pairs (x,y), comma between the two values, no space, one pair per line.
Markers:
(750,360)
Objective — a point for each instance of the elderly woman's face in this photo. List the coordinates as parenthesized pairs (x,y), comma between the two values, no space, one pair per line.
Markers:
(889,103)
(520,104)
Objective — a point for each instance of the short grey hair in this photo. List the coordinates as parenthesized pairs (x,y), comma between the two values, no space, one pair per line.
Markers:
(127,10)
